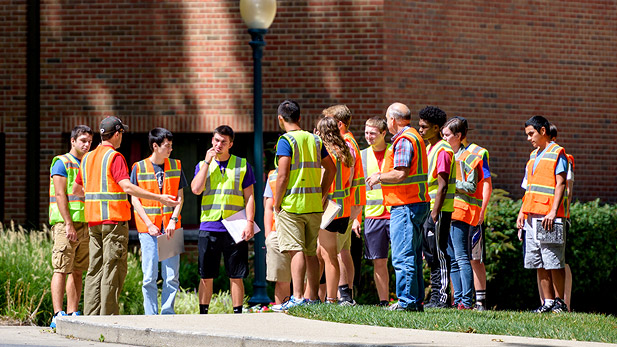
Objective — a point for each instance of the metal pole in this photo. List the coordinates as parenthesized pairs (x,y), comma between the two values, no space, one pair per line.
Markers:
(260,295)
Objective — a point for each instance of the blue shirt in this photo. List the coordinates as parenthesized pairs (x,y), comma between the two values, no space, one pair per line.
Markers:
(59,169)
(247,181)
(283,147)
(403,151)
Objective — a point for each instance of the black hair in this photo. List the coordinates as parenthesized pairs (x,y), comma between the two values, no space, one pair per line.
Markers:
(158,136)
(433,115)
(225,130)
(539,122)
(552,133)
(80,130)
(290,111)
(105,137)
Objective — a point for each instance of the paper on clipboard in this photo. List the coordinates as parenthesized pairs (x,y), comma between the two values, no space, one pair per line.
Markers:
(235,225)
(329,214)
(172,247)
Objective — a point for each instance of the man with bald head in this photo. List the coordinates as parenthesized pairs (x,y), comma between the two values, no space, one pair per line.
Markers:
(404,185)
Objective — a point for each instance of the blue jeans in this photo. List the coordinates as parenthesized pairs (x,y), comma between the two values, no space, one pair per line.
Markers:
(169,272)
(461,273)
(406,242)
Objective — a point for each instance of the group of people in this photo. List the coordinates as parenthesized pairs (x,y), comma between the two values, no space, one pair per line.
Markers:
(422,197)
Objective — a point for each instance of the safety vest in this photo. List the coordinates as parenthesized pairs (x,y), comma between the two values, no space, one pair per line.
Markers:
(303,194)
(569,193)
(223,194)
(540,192)
(105,199)
(413,188)
(340,189)
(358,184)
(272,175)
(374,197)
(76,203)
(433,183)
(467,206)
(146,179)
(479,151)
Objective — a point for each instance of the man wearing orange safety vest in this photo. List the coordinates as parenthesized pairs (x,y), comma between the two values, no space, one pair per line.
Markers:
(357,199)
(103,179)
(158,174)
(543,213)
(404,186)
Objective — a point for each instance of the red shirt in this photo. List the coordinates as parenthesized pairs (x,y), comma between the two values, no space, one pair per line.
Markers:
(119,171)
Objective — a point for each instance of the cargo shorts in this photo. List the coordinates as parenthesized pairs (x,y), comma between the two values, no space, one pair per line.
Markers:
(67,255)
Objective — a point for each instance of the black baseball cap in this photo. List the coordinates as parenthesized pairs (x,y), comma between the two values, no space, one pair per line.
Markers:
(112,124)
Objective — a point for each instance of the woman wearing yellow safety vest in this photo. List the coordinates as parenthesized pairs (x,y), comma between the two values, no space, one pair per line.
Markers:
(340,192)
(467,204)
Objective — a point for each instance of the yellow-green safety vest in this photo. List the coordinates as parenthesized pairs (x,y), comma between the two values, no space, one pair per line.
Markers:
(223,194)
(374,197)
(76,203)
(433,184)
(303,194)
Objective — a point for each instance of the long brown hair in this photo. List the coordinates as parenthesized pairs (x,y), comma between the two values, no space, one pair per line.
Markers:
(334,142)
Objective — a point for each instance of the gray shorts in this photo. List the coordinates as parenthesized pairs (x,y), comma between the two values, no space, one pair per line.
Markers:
(538,255)
(376,238)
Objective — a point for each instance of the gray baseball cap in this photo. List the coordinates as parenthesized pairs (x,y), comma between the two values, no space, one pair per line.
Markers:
(112,124)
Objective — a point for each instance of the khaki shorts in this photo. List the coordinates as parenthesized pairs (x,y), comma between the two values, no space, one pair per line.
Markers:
(298,231)
(278,265)
(344,240)
(66,255)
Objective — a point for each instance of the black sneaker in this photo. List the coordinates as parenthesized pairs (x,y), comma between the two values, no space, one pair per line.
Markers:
(480,305)
(544,308)
(559,306)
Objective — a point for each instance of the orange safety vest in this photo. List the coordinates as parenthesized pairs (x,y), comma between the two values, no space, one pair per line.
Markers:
(413,188)
(467,206)
(358,185)
(540,193)
(340,189)
(146,179)
(105,199)
(272,175)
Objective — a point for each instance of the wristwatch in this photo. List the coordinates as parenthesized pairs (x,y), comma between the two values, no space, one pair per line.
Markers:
(175,219)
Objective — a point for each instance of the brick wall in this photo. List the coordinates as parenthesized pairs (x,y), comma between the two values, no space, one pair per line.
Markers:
(188,66)
(13,105)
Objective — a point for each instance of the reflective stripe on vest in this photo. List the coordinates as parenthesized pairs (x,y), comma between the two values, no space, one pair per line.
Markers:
(374,197)
(467,206)
(358,184)
(223,194)
(146,179)
(340,189)
(433,182)
(303,193)
(479,151)
(414,187)
(541,184)
(105,199)
(75,203)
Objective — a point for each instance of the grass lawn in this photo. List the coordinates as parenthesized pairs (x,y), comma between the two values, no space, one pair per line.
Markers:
(564,326)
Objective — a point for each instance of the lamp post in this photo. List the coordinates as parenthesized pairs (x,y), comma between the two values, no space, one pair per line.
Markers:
(258,16)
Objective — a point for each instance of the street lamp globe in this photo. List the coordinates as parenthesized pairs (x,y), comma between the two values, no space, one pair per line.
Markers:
(258,14)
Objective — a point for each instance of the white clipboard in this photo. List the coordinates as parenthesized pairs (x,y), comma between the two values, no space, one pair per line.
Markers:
(172,247)
(328,215)
(236,223)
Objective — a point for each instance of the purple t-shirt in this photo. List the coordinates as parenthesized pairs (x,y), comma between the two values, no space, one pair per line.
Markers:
(247,181)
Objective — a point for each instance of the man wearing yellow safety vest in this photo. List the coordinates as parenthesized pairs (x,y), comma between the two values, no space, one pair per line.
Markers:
(300,199)
(226,182)
(348,245)
(103,179)
(477,242)
(158,174)
(441,188)
(404,186)
(68,226)
(377,221)
(543,214)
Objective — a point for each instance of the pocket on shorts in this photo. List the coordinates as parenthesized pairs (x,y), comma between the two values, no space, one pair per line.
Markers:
(59,259)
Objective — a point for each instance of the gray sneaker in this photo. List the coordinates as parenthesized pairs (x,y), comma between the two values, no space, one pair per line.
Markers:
(351,302)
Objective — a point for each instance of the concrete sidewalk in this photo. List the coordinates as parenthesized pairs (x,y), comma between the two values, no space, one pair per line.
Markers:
(272,330)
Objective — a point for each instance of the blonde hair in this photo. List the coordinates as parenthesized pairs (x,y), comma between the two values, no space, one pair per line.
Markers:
(339,112)
(334,142)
